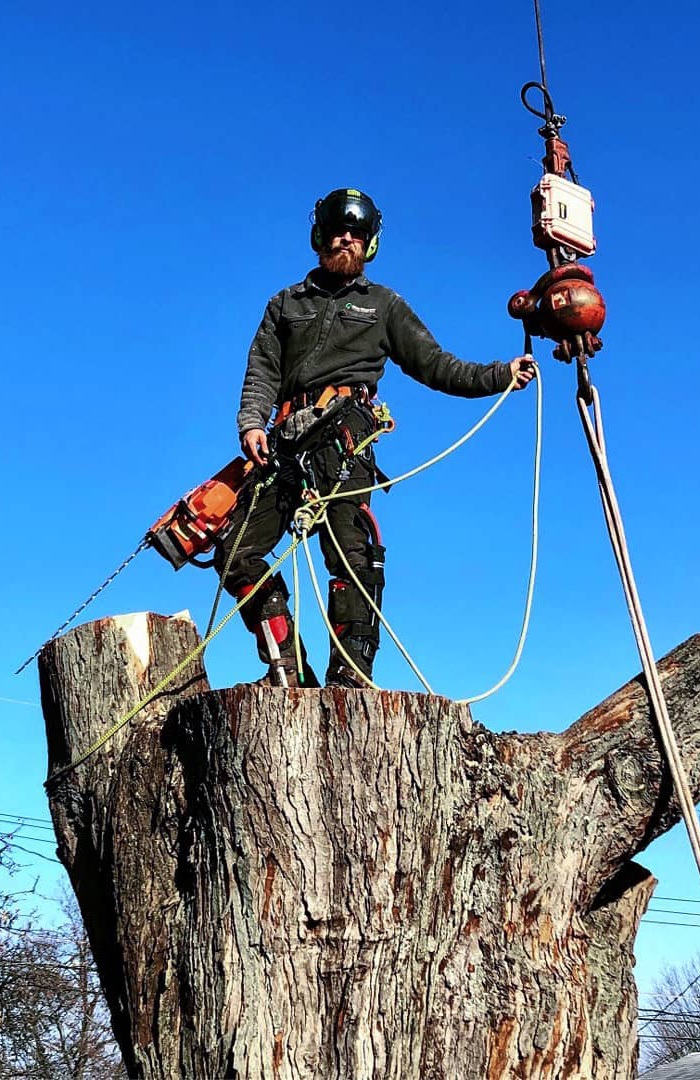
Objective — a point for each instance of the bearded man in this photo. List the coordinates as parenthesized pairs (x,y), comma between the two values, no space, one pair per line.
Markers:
(317,358)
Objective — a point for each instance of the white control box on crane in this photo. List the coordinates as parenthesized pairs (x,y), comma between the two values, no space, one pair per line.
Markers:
(562,213)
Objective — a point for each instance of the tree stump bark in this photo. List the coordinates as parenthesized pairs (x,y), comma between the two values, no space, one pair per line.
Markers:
(355,884)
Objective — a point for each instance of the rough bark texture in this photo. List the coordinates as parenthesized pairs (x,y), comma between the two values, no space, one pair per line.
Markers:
(355,884)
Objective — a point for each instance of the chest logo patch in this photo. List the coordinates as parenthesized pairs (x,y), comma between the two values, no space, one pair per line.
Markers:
(362,310)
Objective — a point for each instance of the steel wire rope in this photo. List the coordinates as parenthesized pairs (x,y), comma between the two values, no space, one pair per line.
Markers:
(596,441)
(167,679)
(540,45)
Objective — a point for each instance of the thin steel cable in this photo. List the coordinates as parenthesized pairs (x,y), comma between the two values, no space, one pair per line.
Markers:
(167,679)
(540,46)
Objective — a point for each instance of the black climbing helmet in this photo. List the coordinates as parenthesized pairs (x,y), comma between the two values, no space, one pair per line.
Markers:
(350,208)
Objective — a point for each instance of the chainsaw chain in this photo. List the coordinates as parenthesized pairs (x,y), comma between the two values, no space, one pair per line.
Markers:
(62,627)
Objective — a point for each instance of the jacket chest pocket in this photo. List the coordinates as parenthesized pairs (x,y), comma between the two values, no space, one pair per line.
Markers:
(354,327)
(298,335)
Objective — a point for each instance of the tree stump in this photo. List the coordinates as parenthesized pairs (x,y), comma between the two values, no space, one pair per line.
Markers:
(353,883)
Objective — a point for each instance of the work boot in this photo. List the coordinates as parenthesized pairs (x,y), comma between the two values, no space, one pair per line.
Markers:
(341,673)
(286,667)
(283,671)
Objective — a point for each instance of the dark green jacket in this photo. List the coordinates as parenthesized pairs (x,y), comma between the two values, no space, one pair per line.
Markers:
(310,338)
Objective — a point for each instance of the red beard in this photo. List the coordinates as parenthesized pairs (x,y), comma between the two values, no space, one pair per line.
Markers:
(343,261)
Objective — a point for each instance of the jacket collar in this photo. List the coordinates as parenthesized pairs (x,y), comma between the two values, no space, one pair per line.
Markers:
(309,286)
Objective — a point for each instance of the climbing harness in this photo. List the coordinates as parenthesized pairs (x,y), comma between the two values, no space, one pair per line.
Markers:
(312,520)
(565,305)
(307,518)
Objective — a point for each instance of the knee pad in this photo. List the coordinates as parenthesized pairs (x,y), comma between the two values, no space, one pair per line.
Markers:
(268,605)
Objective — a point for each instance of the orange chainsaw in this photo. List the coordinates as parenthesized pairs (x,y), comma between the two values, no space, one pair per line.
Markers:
(190,527)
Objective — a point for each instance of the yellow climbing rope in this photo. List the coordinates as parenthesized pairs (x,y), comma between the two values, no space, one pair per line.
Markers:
(307,517)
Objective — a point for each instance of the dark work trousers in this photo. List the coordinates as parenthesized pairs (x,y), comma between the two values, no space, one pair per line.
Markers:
(322,461)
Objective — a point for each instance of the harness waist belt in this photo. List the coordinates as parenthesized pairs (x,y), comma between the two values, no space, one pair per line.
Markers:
(320,398)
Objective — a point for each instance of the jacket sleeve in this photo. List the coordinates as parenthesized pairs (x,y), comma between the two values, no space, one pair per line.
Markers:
(418,354)
(263,377)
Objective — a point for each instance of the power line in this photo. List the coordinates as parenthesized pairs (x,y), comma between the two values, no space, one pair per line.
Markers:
(35,932)
(52,964)
(669,922)
(675,899)
(675,911)
(29,823)
(29,851)
(9,837)
(680,1021)
(24,817)
(665,1007)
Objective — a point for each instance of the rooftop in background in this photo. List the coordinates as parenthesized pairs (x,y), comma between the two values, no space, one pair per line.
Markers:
(686,1068)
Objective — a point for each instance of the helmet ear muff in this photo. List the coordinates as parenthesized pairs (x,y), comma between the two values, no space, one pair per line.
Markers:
(372,247)
(316,237)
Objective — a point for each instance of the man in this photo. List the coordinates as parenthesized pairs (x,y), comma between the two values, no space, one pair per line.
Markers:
(317,357)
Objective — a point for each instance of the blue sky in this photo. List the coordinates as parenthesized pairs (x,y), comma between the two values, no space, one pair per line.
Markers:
(157,168)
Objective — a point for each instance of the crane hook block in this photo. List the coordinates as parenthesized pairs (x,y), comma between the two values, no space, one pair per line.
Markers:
(565,306)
